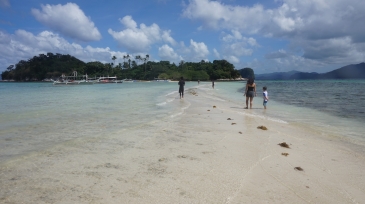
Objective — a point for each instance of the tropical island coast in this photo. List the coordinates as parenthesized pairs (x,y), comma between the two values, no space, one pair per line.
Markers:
(46,67)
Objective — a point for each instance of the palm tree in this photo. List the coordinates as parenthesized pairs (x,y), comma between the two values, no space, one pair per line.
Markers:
(138,57)
(125,65)
(114,58)
(124,57)
(145,60)
(181,64)
(129,61)
(134,64)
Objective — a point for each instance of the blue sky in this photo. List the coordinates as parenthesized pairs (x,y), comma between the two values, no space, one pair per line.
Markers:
(268,36)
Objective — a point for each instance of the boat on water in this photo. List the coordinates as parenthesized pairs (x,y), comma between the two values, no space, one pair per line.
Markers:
(128,80)
(161,80)
(107,80)
(73,80)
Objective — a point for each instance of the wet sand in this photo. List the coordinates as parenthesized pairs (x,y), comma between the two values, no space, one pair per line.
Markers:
(204,155)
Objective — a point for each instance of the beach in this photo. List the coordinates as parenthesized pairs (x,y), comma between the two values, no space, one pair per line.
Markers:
(211,151)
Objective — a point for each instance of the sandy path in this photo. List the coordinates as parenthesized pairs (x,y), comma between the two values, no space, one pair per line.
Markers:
(197,157)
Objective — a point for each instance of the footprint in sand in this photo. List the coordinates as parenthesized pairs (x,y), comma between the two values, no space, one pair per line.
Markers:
(182,156)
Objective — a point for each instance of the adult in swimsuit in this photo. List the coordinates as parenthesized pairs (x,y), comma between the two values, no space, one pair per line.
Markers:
(250,92)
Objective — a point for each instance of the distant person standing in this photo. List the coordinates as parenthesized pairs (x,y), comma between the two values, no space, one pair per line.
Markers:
(198,81)
(181,87)
(250,92)
(213,84)
(265,96)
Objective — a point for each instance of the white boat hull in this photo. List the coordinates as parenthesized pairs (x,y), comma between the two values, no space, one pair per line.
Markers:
(82,82)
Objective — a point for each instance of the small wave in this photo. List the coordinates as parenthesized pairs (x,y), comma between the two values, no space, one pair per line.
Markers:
(170,100)
(161,104)
(174,92)
(276,120)
(181,112)
(177,114)
(217,99)
(264,117)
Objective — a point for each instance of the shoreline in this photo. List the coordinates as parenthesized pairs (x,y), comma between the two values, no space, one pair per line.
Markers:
(199,156)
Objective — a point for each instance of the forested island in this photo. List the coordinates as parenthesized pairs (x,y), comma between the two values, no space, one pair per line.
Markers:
(52,66)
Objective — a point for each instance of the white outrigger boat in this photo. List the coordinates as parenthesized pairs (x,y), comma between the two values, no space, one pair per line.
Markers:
(108,79)
(73,80)
(162,80)
(128,80)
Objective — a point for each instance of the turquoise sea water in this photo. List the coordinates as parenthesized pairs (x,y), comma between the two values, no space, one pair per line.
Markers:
(330,106)
(37,116)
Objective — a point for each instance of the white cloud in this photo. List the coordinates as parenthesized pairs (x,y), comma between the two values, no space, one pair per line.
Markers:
(165,52)
(167,37)
(234,46)
(277,54)
(216,54)
(232,59)
(324,31)
(291,17)
(251,41)
(140,39)
(216,15)
(23,45)
(336,50)
(68,20)
(128,22)
(283,19)
(236,35)
(4,38)
(195,52)
(198,50)
(238,49)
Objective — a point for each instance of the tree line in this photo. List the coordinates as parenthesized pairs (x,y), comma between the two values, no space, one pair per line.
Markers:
(52,66)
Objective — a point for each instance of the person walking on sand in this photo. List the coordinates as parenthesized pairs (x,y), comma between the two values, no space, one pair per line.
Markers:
(250,92)
(265,96)
(181,87)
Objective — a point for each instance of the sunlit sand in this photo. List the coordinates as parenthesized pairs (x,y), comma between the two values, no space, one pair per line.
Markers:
(199,156)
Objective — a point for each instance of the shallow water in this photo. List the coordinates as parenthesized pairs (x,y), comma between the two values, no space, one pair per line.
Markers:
(37,116)
(335,106)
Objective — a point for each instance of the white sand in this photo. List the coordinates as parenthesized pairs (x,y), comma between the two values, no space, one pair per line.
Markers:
(196,157)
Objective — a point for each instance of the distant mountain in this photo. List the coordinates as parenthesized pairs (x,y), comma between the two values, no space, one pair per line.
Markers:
(276,75)
(354,71)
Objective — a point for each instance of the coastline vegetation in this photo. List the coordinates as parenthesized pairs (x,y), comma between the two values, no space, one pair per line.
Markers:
(52,66)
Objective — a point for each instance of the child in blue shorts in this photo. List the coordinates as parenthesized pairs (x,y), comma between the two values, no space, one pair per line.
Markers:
(265,96)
